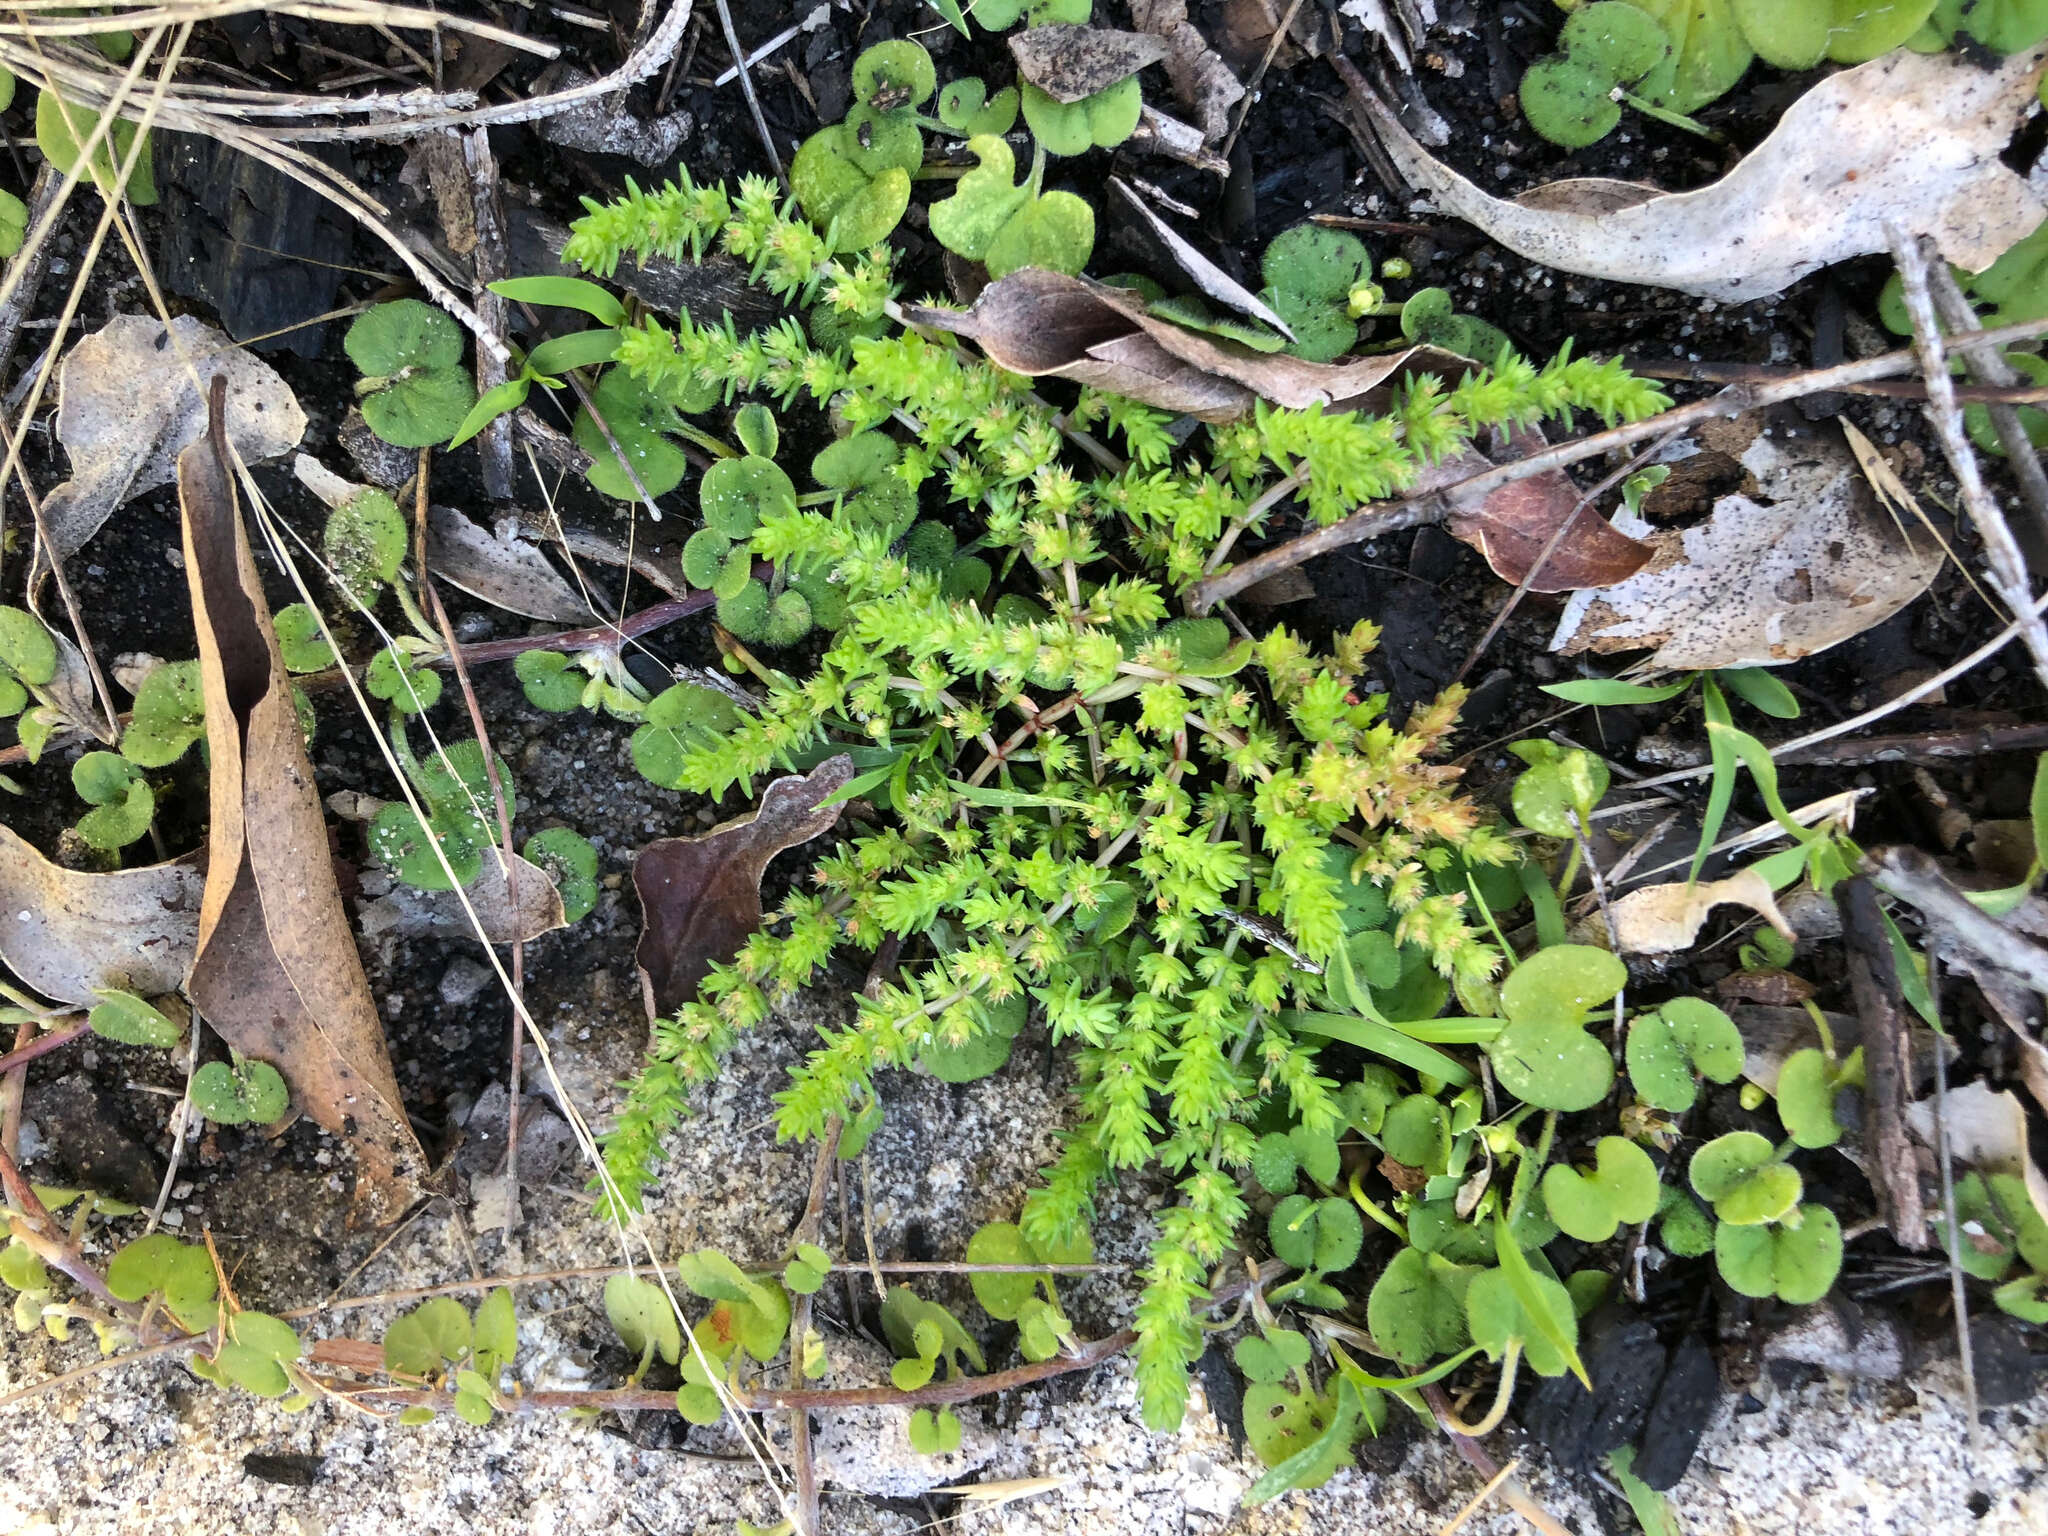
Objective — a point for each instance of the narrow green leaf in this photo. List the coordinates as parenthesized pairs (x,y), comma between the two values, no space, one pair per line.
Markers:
(1612,690)
(1721,788)
(579,349)
(1384,1040)
(1514,1264)
(564,293)
(498,400)
(1760,689)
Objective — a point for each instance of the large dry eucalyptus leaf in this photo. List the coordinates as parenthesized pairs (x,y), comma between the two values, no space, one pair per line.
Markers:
(276,970)
(1040,322)
(501,568)
(127,405)
(65,932)
(1986,1130)
(1911,140)
(1070,63)
(1807,562)
(701,896)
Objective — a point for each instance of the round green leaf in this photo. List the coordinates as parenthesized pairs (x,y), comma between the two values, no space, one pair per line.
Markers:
(364,542)
(1621,39)
(421,409)
(1806,1099)
(640,1313)
(404,333)
(746,613)
(1055,230)
(1495,1315)
(248,1092)
(550,681)
(1002,1296)
(1621,1188)
(1685,1229)
(299,640)
(392,676)
(894,75)
(1551,1065)
(1315,263)
(1280,1423)
(1796,1262)
(704,554)
(397,839)
(1554,789)
(571,862)
(1564,982)
(169,715)
(26,648)
(738,493)
(637,420)
(1417,1132)
(754,425)
(1684,1036)
(1417,1307)
(1739,1176)
(421,1341)
(1570,103)
(159,1264)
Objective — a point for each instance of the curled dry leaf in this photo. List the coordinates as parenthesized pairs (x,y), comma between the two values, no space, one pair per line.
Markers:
(1069,63)
(1200,78)
(1806,563)
(127,403)
(701,896)
(1911,140)
(1663,919)
(1514,525)
(501,568)
(1772,1033)
(1204,273)
(1040,322)
(276,970)
(409,913)
(65,932)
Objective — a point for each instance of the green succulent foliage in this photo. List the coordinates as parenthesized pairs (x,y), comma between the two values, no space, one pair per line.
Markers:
(1681,1041)
(243,1092)
(365,542)
(1795,1258)
(1310,274)
(1101,121)
(1685,1230)
(123,803)
(169,715)
(1006,225)
(415,391)
(181,1275)
(1621,1189)
(1742,1177)
(1545,1056)
(131,1020)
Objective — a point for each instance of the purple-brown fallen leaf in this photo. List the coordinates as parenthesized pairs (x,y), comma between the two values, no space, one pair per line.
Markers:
(276,970)
(701,896)
(1070,63)
(1040,322)
(1512,526)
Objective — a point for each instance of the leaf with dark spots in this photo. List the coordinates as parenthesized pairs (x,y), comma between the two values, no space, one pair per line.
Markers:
(1069,63)
(1514,525)
(276,970)
(702,895)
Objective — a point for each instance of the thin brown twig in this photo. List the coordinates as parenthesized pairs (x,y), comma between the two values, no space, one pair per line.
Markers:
(27,1050)
(1966,1353)
(1433,506)
(739,56)
(1251,86)
(1987,366)
(1887,389)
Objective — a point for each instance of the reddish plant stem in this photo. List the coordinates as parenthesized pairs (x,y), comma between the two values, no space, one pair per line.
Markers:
(41,1045)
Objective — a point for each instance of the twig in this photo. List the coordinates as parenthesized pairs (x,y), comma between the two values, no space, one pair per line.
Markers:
(34,262)
(1887,1059)
(13,1084)
(1987,365)
(1434,506)
(494,443)
(804,1465)
(28,1049)
(1764,373)
(1966,1353)
(1251,86)
(1891,706)
(1475,1455)
(732,41)
(1599,884)
(1930,747)
(181,1120)
(2001,552)
(1913,877)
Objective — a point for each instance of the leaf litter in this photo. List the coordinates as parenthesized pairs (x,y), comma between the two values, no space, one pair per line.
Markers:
(276,970)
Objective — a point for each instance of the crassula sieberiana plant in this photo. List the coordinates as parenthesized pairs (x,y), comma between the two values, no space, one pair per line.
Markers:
(1169,838)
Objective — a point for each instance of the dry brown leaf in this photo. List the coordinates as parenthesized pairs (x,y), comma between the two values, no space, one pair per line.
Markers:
(1204,273)
(1771,1033)
(1911,140)
(701,896)
(1806,563)
(1663,919)
(502,569)
(408,912)
(1069,63)
(1514,524)
(1200,78)
(276,970)
(127,405)
(1040,322)
(64,932)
